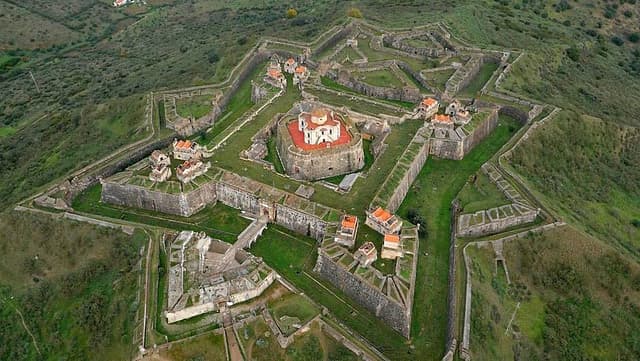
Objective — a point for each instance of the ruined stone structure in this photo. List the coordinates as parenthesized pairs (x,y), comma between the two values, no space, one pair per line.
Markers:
(205,273)
(399,41)
(186,125)
(318,149)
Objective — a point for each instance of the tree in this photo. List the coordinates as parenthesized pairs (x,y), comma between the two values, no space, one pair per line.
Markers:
(617,40)
(292,13)
(414,216)
(354,13)
(573,53)
(634,37)
(213,56)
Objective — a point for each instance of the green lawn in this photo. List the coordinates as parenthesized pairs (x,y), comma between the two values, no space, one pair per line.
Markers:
(7,131)
(474,86)
(383,78)
(272,155)
(481,194)
(196,106)
(438,79)
(208,347)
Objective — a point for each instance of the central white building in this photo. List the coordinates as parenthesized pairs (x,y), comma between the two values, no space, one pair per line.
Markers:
(319,126)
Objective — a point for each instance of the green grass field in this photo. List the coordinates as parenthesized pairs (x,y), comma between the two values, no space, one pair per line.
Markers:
(481,194)
(195,107)
(474,86)
(383,78)
(571,289)
(74,285)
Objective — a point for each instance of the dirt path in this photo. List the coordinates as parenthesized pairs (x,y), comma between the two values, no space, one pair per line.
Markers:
(24,325)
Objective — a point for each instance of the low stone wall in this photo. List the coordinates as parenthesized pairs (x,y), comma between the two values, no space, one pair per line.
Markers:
(406,94)
(498,225)
(181,204)
(390,312)
(417,77)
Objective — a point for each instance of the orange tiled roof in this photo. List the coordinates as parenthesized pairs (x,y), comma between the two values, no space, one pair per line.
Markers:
(301,69)
(442,118)
(381,214)
(429,101)
(183,144)
(290,61)
(392,238)
(349,221)
(275,73)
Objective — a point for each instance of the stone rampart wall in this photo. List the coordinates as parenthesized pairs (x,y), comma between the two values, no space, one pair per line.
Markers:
(481,131)
(238,198)
(407,180)
(390,312)
(515,113)
(407,94)
(300,222)
(333,39)
(181,204)
(446,148)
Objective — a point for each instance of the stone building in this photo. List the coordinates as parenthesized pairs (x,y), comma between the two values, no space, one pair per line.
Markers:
(300,75)
(160,170)
(319,126)
(185,149)
(347,230)
(392,247)
(290,65)
(274,76)
(383,222)
(366,254)
(318,143)
(427,108)
(191,169)
(458,112)
(352,42)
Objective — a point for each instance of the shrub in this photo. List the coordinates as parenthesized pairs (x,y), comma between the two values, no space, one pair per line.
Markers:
(573,53)
(292,13)
(213,56)
(563,5)
(617,40)
(636,223)
(242,40)
(634,37)
(354,13)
